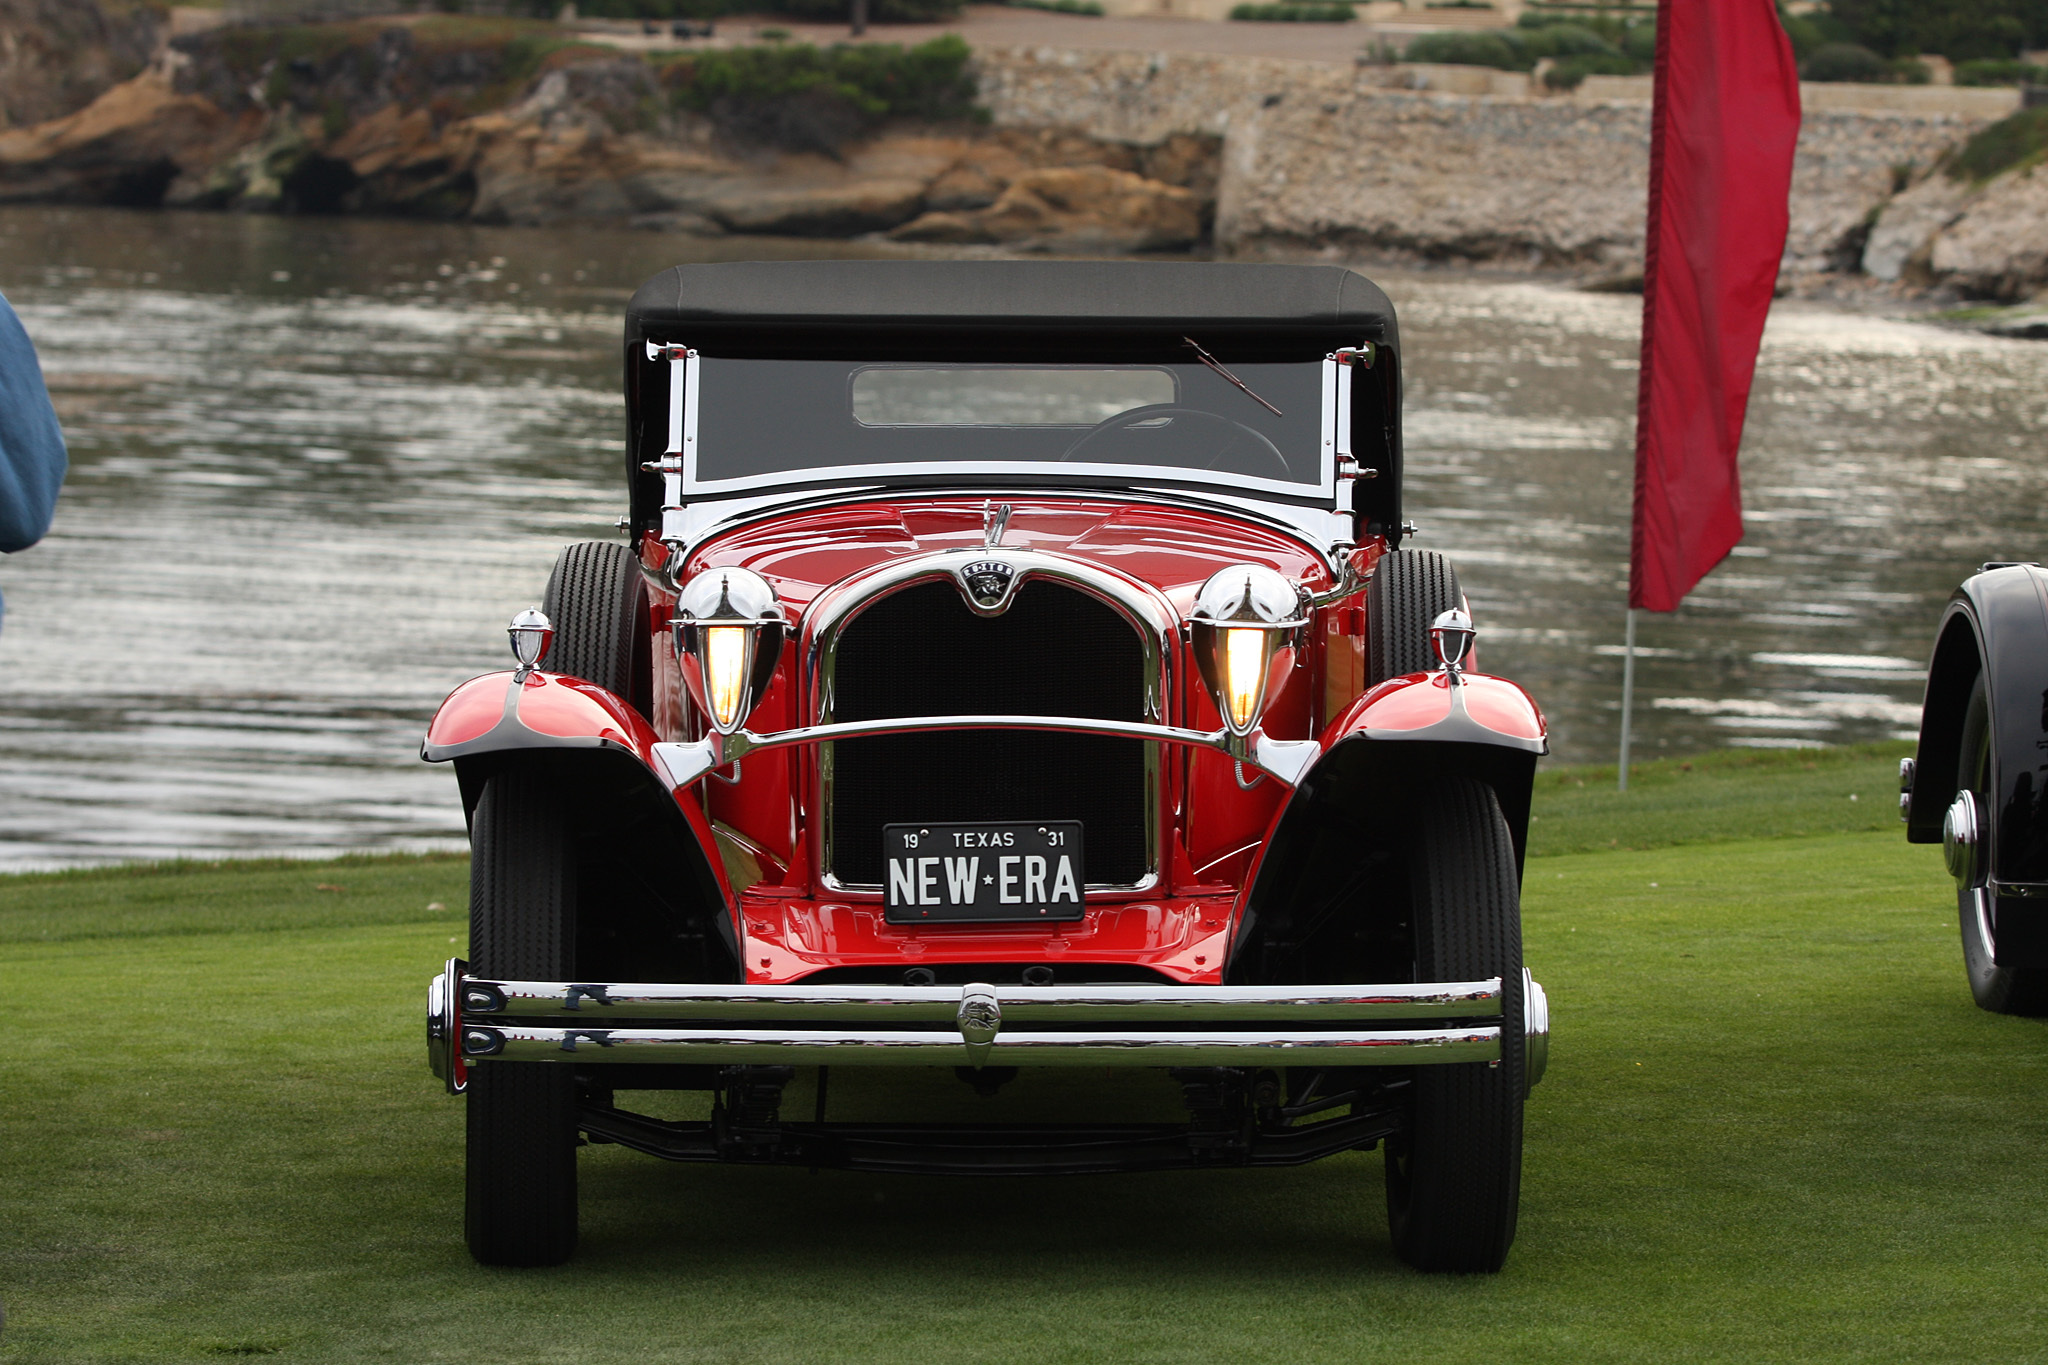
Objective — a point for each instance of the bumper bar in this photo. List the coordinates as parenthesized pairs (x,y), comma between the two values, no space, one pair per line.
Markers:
(472,1020)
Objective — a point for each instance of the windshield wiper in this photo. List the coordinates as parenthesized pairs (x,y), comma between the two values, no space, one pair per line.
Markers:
(1213,363)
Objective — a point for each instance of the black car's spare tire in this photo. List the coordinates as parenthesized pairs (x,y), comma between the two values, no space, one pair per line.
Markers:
(1454,1175)
(2002,990)
(597,603)
(520,1176)
(1408,591)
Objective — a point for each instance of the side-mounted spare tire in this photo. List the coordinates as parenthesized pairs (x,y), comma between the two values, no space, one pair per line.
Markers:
(597,602)
(1408,591)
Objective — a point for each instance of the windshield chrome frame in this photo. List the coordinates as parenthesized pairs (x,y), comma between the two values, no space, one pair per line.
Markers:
(681,484)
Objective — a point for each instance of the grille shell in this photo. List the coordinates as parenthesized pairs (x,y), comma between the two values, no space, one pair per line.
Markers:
(1055,652)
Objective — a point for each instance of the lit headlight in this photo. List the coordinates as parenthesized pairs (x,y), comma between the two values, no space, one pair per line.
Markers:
(1244,621)
(729,631)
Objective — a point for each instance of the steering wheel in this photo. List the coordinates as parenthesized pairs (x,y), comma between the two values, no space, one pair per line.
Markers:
(1152,412)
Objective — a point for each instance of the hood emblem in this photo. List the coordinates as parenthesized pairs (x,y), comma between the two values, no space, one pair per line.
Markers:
(987,584)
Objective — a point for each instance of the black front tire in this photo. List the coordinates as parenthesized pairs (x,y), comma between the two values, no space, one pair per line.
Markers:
(1408,591)
(520,1174)
(2002,990)
(1454,1176)
(597,602)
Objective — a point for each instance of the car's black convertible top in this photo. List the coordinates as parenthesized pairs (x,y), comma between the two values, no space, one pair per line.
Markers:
(751,301)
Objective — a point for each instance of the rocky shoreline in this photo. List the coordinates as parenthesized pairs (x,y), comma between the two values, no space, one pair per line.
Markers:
(1036,149)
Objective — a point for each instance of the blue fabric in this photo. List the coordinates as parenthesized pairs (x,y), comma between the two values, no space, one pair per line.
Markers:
(32,459)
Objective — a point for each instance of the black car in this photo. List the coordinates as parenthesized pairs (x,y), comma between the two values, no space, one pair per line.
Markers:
(1979,783)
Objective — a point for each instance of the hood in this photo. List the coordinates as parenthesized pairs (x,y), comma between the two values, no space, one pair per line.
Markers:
(1173,550)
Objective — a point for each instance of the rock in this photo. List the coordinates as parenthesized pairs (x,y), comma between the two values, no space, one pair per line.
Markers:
(129,146)
(1189,160)
(2028,322)
(965,186)
(944,228)
(1074,209)
(1998,247)
(58,56)
(1905,229)
(844,210)
(684,223)
(403,163)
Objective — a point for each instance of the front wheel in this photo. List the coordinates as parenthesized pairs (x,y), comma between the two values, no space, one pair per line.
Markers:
(520,1172)
(1454,1176)
(2002,990)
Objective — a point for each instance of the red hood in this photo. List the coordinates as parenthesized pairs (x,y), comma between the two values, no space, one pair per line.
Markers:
(1172,549)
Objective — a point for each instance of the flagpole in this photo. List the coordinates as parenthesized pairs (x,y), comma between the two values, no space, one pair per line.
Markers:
(1628,694)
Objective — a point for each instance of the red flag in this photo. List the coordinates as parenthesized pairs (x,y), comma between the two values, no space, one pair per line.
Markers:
(1722,133)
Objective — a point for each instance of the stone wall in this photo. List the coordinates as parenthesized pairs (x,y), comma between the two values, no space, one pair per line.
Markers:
(1315,154)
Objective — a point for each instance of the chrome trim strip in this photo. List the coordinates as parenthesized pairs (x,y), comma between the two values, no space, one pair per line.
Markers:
(811,1047)
(482,999)
(682,763)
(688,525)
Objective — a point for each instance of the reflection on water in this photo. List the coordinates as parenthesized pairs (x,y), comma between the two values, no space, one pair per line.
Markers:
(317,463)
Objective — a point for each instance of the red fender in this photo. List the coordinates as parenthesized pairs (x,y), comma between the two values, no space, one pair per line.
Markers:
(547,711)
(497,714)
(1480,714)
(1481,709)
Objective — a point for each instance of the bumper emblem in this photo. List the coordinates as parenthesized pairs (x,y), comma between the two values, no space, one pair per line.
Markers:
(980,1020)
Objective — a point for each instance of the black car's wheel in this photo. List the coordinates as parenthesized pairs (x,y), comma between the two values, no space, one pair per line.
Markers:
(1454,1176)
(597,603)
(520,1178)
(2002,990)
(1409,590)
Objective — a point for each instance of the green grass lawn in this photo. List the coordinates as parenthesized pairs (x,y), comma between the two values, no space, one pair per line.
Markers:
(1774,1128)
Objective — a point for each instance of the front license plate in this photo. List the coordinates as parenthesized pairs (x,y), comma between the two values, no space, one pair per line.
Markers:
(997,870)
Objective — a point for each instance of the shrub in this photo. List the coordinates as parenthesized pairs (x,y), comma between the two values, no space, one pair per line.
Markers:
(1607,47)
(1845,62)
(811,99)
(1570,72)
(1961,30)
(2000,73)
(880,11)
(1568,40)
(1296,13)
(1467,49)
(2010,142)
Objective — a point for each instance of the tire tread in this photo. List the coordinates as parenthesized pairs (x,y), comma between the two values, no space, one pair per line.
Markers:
(520,1167)
(1455,1208)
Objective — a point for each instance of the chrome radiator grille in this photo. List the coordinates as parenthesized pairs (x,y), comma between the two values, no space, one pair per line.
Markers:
(921,652)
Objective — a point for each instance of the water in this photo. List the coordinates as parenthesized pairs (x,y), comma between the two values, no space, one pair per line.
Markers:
(318,463)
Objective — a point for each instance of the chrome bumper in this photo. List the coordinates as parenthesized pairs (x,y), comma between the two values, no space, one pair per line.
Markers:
(471,1021)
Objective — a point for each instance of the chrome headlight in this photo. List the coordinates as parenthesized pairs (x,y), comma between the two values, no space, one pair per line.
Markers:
(1244,623)
(729,632)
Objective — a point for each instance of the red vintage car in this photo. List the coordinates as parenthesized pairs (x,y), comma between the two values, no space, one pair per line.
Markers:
(1010,738)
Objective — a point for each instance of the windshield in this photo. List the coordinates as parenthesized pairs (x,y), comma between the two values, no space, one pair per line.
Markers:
(759,422)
